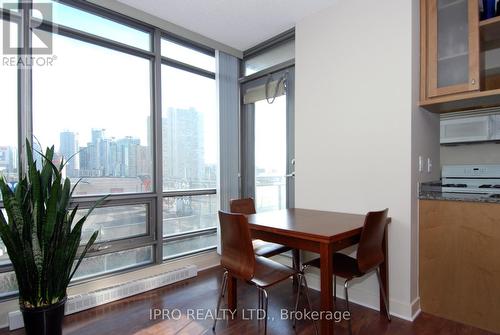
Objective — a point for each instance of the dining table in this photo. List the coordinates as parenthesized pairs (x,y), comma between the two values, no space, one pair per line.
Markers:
(321,232)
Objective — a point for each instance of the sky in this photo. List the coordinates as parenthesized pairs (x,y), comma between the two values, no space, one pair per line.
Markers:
(93,87)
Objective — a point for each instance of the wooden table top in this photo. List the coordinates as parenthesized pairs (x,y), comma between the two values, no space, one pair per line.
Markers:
(308,224)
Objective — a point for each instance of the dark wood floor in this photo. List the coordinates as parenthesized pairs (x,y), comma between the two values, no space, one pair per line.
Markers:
(132,316)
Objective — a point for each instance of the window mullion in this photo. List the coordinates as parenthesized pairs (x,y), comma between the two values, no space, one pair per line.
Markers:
(25,92)
(158,146)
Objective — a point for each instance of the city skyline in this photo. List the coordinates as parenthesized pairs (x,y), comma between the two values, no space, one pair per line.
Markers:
(103,156)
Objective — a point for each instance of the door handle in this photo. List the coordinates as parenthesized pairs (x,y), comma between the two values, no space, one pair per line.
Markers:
(290,175)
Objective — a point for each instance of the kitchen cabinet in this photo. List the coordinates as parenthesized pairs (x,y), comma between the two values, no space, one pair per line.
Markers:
(452,46)
(458,71)
(459,268)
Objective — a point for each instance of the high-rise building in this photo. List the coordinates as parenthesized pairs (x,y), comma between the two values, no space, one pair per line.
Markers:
(108,157)
(96,162)
(128,147)
(68,148)
(183,148)
(105,158)
(6,158)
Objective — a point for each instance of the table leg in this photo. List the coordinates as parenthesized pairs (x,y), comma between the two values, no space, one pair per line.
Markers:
(296,264)
(326,259)
(384,274)
(232,289)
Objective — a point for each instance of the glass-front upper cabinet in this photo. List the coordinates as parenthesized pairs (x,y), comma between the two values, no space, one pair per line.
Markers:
(452,46)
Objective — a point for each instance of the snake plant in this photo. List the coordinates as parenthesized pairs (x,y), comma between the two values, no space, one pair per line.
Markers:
(39,232)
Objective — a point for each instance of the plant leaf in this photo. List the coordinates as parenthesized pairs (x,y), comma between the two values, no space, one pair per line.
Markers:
(84,252)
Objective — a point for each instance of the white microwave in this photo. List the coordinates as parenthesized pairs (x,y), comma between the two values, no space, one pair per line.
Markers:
(468,129)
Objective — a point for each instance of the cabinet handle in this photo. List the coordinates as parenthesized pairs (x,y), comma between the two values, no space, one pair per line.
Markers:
(473,81)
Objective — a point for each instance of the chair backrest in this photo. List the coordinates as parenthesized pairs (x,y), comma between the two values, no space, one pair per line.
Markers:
(370,253)
(243,206)
(237,250)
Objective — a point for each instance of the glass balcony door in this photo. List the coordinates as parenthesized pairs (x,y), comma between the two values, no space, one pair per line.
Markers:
(267,142)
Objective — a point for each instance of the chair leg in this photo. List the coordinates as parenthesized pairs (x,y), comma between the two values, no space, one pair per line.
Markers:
(299,281)
(266,303)
(296,266)
(346,286)
(222,290)
(306,293)
(334,288)
(261,298)
(384,296)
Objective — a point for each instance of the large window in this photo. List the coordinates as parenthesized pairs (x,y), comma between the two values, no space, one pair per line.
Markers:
(96,25)
(189,126)
(180,53)
(93,97)
(94,104)
(9,162)
(9,98)
(112,262)
(188,224)
(115,223)
(9,3)
(189,132)
(279,54)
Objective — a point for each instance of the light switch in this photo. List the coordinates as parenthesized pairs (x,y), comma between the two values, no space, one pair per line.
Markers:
(420,164)
(429,165)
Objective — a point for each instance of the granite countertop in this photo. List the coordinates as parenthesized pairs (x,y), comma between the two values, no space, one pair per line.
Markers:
(432,191)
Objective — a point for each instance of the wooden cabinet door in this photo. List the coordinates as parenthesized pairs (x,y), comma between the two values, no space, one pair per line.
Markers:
(452,46)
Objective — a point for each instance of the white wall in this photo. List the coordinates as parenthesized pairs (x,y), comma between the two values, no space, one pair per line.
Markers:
(356,77)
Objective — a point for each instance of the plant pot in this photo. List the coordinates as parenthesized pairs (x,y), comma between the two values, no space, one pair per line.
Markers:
(44,320)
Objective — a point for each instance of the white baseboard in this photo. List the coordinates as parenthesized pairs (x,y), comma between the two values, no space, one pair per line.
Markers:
(415,308)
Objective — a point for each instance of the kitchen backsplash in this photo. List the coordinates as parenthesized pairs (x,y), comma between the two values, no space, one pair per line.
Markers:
(478,153)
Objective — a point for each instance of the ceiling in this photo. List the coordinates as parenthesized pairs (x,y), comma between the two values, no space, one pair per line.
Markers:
(240,24)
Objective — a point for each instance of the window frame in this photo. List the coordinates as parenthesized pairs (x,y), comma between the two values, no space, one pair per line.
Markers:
(153,199)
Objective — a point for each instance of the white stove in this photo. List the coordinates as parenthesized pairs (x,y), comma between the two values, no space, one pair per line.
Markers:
(480,179)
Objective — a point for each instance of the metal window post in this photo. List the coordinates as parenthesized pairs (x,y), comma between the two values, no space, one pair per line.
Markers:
(158,146)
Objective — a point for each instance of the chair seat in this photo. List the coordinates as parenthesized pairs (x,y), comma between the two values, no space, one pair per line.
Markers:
(268,249)
(269,272)
(343,266)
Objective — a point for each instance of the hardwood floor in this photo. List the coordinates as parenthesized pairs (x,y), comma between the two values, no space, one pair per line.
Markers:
(132,316)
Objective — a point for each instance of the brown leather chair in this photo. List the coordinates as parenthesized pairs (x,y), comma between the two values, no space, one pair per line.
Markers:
(261,248)
(239,261)
(368,258)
